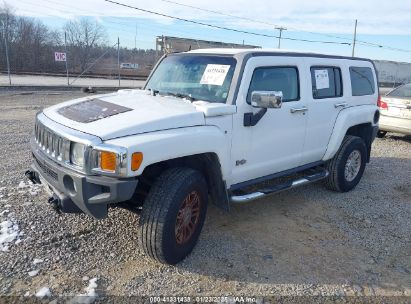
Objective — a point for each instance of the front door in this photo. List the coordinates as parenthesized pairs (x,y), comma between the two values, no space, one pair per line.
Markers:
(275,142)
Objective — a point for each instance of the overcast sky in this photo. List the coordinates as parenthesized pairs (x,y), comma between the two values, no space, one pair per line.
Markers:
(382,22)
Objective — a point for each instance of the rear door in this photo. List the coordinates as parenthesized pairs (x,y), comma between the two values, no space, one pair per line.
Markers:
(336,84)
(324,101)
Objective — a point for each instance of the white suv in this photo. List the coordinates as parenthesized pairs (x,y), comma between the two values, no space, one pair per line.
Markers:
(208,125)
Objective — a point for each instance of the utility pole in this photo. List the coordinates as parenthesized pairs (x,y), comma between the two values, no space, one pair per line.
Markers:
(65,49)
(355,38)
(7,52)
(135,40)
(118,59)
(281,29)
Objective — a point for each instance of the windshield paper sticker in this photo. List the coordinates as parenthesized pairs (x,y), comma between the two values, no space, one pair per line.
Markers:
(321,79)
(214,74)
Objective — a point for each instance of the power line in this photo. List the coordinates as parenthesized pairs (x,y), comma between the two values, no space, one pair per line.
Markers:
(222,27)
(361,42)
(147,29)
(250,19)
(121,27)
(277,26)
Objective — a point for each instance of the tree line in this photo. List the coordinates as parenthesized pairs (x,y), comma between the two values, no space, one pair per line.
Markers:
(31,46)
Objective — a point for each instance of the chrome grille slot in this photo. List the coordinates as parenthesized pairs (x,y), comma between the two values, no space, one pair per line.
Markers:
(51,143)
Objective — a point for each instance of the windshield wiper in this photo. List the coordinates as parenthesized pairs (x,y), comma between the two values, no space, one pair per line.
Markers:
(179,95)
(154,92)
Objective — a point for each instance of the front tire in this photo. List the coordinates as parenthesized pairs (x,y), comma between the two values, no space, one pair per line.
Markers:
(347,166)
(173,215)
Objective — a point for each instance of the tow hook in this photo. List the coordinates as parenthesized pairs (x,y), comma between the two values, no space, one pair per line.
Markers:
(31,176)
(54,203)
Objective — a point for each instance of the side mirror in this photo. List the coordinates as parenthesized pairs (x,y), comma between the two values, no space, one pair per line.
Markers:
(266,99)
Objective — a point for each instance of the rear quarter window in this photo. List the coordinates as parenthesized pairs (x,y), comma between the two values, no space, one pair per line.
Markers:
(362,81)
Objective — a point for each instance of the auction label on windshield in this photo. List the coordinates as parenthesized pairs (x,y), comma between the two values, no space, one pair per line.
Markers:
(215,74)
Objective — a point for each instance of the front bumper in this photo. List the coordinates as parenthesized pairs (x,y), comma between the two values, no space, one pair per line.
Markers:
(91,194)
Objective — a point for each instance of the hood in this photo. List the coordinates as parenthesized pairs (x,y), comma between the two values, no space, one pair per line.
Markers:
(129,112)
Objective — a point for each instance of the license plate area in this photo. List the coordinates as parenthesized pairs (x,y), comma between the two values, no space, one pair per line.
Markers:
(394,111)
(46,186)
(406,113)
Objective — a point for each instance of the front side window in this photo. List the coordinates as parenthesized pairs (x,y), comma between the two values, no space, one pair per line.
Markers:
(280,79)
(362,81)
(403,91)
(199,77)
(326,82)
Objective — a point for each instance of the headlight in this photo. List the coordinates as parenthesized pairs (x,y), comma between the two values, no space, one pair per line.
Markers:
(77,154)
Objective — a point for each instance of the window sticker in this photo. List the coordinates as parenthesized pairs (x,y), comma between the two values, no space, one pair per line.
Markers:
(321,79)
(214,74)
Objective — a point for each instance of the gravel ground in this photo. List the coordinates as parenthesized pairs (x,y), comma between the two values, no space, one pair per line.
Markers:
(308,241)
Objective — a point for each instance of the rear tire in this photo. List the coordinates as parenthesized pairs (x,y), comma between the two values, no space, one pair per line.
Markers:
(173,215)
(347,166)
(381,134)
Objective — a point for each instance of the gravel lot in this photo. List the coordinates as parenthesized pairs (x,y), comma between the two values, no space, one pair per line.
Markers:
(308,241)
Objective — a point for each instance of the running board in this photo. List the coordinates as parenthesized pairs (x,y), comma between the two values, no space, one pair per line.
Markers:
(280,187)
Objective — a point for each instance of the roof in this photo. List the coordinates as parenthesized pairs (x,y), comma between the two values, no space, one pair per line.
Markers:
(225,51)
(246,51)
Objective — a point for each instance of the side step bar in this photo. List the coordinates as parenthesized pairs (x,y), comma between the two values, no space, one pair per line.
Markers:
(278,188)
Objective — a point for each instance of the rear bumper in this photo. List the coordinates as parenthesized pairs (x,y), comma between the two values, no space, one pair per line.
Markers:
(395,124)
(91,194)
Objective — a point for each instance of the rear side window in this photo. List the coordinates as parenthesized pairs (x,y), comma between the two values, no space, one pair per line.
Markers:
(284,79)
(362,81)
(326,82)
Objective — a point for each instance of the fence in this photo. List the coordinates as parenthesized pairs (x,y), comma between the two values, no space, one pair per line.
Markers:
(118,66)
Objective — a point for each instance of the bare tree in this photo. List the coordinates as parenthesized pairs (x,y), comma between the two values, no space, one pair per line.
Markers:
(32,44)
(83,37)
(7,22)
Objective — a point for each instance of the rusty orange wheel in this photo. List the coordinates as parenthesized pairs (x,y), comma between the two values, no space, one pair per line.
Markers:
(188,217)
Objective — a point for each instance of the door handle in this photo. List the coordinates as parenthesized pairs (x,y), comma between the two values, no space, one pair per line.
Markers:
(340,105)
(298,110)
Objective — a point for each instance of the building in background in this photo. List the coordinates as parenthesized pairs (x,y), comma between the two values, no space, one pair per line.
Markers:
(391,73)
(168,44)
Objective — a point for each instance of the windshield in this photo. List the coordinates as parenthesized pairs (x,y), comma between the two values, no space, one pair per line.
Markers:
(197,77)
(402,91)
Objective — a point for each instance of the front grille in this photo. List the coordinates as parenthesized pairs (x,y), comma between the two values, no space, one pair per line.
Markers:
(52,144)
(46,169)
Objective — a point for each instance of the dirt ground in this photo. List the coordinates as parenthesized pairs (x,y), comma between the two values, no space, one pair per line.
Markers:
(304,242)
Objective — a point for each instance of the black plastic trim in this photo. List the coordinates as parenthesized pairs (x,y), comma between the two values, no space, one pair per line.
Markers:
(251,119)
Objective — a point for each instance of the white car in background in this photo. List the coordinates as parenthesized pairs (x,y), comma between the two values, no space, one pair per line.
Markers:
(395,109)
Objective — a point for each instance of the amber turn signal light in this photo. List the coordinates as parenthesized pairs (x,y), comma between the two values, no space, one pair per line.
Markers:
(136,160)
(108,161)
